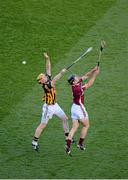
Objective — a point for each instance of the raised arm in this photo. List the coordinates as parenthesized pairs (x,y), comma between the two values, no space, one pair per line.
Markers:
(48,64)
(89,74)
(92,78)
(58,76)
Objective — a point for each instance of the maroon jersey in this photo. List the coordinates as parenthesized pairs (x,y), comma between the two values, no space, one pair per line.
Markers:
(78,93)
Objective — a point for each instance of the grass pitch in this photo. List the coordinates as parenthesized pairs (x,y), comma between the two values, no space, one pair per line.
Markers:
(64,29)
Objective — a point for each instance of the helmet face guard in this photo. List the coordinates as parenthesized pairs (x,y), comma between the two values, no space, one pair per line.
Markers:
(71,79)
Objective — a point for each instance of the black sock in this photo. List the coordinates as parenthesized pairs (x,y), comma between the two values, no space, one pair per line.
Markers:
(35,138)
(81,141)
(69,141)
(66,134)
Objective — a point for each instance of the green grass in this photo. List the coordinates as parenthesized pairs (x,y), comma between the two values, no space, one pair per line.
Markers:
(64,29)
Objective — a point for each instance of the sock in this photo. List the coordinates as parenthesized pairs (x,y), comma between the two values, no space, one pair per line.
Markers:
(35,138)
(81,141)
(66,134)
(69,141)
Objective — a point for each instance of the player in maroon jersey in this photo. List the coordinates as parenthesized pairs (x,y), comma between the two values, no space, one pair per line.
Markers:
(78,111)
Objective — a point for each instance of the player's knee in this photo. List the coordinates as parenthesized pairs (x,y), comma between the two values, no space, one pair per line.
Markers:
(86,124)
(65,118)
(75,128)
(42,125)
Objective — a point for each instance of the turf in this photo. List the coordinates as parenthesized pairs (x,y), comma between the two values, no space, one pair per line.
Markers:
(64,29)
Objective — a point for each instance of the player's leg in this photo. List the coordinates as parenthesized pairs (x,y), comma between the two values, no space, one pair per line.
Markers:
(65,124)
(61,115)
(73,130)
(39,130)
(37,135)
(83,134)
(46,115)
(75,110)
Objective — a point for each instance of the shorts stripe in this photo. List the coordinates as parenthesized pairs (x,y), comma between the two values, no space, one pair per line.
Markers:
(83,110)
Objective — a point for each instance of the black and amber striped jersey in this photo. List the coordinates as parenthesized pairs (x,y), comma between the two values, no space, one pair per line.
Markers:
(50,93)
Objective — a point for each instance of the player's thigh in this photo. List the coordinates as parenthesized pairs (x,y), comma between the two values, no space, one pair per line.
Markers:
(78,113)
(47,113)
(74,112)
(85,122)
(59,112)
(83,114)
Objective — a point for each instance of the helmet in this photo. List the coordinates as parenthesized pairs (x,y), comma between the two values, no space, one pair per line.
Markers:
(40,76)
(71,79)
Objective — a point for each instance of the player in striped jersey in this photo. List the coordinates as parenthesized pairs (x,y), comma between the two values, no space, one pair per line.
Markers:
(78,111)
(50,106)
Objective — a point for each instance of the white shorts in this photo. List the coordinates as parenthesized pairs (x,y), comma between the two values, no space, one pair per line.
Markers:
(49,110)
(78,112)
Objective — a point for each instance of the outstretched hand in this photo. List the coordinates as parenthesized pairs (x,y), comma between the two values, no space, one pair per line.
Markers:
(46,55)
(94,69)
(97,71)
